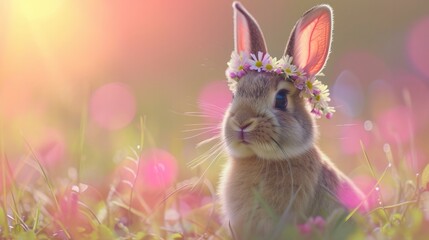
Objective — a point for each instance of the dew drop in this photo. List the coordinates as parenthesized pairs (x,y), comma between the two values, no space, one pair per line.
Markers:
(368,125)
(386,147)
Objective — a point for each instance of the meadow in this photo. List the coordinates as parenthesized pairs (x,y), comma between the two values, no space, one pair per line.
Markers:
(109,113)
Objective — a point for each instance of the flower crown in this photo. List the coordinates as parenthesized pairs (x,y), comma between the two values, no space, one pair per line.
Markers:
(311,88)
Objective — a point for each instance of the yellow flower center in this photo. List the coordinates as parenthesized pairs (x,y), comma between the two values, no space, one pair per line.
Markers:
(318,97)
(241,67)
(269,67)
(288,70)
(258,64)
(309,85)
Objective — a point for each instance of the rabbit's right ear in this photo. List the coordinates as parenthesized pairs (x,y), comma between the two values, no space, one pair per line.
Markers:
(310,41)
(248,36)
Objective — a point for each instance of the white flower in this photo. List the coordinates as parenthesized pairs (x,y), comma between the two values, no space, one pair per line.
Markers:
(285,64)
(271,65)
(238,64)
(320,100)
(321,90)
(309,87)
(306,85)
(259,63)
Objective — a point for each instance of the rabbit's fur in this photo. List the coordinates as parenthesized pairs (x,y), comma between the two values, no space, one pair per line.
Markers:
(275,168)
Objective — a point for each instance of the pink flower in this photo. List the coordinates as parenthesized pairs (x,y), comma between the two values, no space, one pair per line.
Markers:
(304,229)
(299,82)
(313,223)
(316,112)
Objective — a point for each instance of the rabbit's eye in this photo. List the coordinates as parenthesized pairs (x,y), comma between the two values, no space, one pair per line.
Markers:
(281,100)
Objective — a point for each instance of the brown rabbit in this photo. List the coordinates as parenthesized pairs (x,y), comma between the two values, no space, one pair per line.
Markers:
(275,168)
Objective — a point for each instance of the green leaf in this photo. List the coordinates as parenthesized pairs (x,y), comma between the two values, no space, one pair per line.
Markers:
(388,230)
(425,178)
(177,236)
(30,235)
(3,222)
(104,232)
(140,235)
(396,219)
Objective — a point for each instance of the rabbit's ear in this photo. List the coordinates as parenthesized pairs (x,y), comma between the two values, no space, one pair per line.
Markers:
(310,41)
(248,36)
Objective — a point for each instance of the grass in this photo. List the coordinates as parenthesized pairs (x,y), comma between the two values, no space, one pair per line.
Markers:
(54,208)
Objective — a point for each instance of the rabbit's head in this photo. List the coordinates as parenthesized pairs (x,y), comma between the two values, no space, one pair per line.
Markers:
(268,117)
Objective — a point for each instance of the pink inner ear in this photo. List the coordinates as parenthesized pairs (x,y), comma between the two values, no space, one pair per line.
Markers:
(242,34)
(312,42)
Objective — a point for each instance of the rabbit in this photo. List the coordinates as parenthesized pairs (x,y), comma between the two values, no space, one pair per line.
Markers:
(275,169)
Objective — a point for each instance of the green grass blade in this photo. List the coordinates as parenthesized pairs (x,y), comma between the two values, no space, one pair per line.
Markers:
(36,219)
(3,175)
(368,162)
(367,196)
(82,131)
(45,176)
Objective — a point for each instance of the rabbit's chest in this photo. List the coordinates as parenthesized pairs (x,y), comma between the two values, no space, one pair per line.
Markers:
(264,189)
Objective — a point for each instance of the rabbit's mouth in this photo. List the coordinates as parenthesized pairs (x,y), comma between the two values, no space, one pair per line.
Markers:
(241,149)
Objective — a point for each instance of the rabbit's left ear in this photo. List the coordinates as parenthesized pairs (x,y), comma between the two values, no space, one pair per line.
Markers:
(310,41)
(248,36)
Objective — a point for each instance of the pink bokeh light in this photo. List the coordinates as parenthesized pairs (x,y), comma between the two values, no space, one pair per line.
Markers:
(396,124)
(349,198)
(51,149)
(351,136)
(214,99)
(192,201)
(159,169)
(417,46)
(112,106)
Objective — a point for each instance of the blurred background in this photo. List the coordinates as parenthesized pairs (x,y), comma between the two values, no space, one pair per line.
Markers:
(76,78)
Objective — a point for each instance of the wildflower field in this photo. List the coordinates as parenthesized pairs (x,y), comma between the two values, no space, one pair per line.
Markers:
(110,116)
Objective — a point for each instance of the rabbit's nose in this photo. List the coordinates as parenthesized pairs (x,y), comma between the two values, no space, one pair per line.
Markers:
(245,126)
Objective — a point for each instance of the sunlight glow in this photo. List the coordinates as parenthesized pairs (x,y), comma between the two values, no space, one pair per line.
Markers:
(37,9)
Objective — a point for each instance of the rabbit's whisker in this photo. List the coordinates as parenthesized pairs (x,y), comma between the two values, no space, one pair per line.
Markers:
(207,155)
